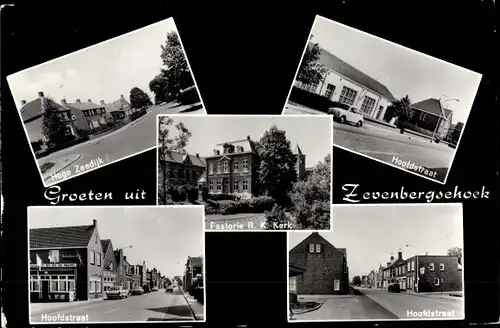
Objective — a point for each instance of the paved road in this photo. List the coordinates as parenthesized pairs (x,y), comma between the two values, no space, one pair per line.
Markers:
(356,307)
(136,137)
(155,306)
(386,144)
(400,303)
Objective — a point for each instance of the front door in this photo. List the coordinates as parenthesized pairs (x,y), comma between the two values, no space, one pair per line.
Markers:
(225,184)
(45,290)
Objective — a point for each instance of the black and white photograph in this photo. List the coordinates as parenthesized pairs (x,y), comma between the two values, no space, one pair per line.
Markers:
(250,172)
(389,103)
(380,263)
(113,264)
(98,105)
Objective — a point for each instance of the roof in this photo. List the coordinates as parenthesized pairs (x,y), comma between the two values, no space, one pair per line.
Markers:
(111,107)
(105,244)
(76,236)
(459,126)
(432,106)
(121,103)
(84,105)
(177,157)
(35,108)
(338,65)
(248,146)
(298,150)
(195,261)
(343,251)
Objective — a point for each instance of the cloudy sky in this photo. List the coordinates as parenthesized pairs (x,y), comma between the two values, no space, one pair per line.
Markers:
(312,133)
(100,72)
(402,70)
(371,233)
(163,237)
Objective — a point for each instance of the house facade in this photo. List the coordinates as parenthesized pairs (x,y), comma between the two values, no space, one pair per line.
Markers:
(182,169)
(32,116)
(392,273)
(433,116)
(193,270)
(293,273)
(119,109)
(109,266)
(346,84)
(65,263)
(94,115)
(434,273)
(326,269)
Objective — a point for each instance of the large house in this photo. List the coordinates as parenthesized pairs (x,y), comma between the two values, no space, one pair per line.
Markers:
(433,273)
(32,116)
(346,84)
(65,263)
(109,264)
(392,271)
(326,270)
(119,109)
(94,115)
(193,270)
(432,116)
(233,168)
(182,168)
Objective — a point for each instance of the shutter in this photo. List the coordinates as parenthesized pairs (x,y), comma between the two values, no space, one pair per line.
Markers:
(322,248)
(307,248)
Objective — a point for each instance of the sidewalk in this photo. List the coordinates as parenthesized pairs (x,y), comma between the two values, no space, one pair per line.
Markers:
(197,308)
(59,165)
(296,109)
(437,296)
(40,308)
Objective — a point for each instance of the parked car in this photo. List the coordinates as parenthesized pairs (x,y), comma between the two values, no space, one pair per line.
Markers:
(154,289)
(117,292)
(394,288)
(137,291)
(169,288)
(146,289)
(347,115)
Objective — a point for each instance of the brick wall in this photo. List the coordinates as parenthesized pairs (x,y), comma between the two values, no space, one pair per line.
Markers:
(451,276)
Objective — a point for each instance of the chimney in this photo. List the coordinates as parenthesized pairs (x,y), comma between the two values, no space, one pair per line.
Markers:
(197,155)
(122,97)
(392,257)
(40,94)
(95,223)
(400,254)
(63,101)
(124,258)
(248,137)
(89,100)
(23,102)
(78,101)
(102,102)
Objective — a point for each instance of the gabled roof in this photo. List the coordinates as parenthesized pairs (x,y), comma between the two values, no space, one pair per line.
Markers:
(343,251)
(85,105)
(121,103)
(432,106)
(76,236)
(341,67)
(195,261)
(35,108)
(111,107)
(105,244)
(176,157)
(298,150)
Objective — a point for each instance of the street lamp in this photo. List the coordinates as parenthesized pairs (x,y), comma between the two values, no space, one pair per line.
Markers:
(444,99)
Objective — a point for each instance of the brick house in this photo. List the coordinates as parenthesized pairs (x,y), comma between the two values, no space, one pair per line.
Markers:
(432,116)
(392,272)
(346,84)
(326,270)
(233,168)
(65,260)
(379,281)
(109,264)
(94,114)
(434,273)
(182,168)
(32,116)
(194,269)
(294,273)
(125,274)
(119,109)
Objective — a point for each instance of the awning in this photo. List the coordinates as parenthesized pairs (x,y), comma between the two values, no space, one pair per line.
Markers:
(295,271)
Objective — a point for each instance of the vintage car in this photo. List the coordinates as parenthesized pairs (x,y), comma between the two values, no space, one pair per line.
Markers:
(154,289)
(347,115)
(117,292)
(394,288)
(169,288)
(137,291)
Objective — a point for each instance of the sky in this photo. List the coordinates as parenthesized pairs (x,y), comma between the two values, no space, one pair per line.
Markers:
(402,70)
(313,133)
(100,72)
(163,237)
(371,233)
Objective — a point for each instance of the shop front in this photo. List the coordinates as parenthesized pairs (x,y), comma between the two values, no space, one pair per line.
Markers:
(53,282)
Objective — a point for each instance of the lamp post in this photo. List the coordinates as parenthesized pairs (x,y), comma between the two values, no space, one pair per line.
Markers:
(443,99)
(417,269)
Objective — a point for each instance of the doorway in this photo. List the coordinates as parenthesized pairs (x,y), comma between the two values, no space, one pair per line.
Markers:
(45,290)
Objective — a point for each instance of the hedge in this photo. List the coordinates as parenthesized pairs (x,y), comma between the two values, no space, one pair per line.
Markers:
(188,96)
(259,204)
(222,197)
(313,100)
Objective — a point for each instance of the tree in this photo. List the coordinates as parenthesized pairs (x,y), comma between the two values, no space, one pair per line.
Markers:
(311,71)
(311,198)
(456,251)
(356,281)
(139,98)
(177,72)
(276,216)
(277,166)
(168,143)
(53,128)
(402,110)
(158,86)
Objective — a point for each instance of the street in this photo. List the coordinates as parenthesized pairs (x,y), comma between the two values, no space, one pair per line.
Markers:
(155,306)
(135,137)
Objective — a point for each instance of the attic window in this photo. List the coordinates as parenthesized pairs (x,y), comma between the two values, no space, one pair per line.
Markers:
(311,248)
(318,248)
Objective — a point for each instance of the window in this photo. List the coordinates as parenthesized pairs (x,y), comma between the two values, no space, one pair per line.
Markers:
(226,166)
(226,184)
(54,256)
(311,248)
(98,259)
(436,281)
(347,96)
(330,88)
(218,167)
(219,185)
(211,168)
(245,184)
(188,175)
(235,166)
(367,105)
(431,266)
(336,285)
(423,116)
(412,265)
(236,185)
(293,285)
(409,266)
(92,257)
(54,286)
(211,185)
(441,266)
(34,284)
(345,267)
(244,164)
(195,176)
(318,248)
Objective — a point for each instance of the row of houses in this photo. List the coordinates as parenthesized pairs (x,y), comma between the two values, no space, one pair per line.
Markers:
(345,84)
(230,169)
(79,117)
(74,263)
(419,274)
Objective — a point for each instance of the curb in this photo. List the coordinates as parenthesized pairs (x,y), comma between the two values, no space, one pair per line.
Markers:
(438,297)
(62,168)
(308,310)
(70,305)
(190,308)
